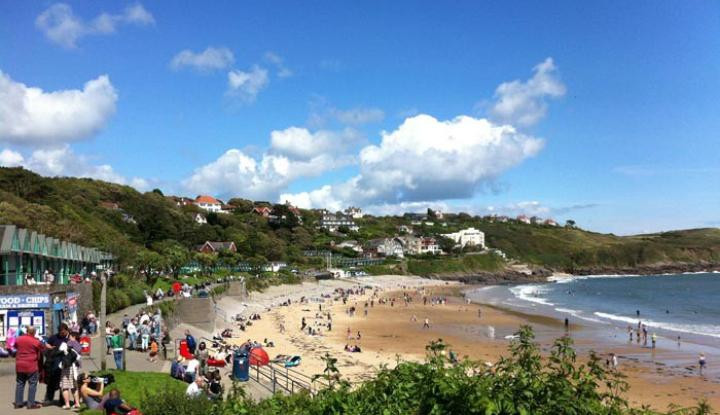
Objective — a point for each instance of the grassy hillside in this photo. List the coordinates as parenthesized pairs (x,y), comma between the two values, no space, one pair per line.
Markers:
(82,211)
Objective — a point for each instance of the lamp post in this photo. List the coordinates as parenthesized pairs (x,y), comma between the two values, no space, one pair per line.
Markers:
(103,300)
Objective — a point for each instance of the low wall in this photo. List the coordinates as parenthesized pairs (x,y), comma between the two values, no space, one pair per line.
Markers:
(198,312)
(237,289)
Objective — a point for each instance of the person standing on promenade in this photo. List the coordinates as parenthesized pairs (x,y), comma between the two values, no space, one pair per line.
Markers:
(27,367)
(116,343)
(132,333)
(52,363)
(191,344)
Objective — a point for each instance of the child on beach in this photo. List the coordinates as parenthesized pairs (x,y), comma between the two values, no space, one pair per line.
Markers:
(426,324)
(701,362)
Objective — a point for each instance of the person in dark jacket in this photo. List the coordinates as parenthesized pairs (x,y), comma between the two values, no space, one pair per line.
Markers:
(53,358)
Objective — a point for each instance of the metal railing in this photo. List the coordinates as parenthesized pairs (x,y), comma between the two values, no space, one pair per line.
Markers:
(275,378)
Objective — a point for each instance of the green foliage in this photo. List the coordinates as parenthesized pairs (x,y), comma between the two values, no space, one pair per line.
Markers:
(521,384)
(174,401)
(134,387)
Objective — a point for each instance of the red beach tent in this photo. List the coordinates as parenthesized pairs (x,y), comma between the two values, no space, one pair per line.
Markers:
(259,357)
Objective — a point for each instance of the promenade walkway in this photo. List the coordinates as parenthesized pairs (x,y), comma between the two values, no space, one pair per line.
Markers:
(135,362)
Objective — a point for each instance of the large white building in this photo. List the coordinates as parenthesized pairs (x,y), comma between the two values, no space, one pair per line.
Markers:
(469,236)
(332,222)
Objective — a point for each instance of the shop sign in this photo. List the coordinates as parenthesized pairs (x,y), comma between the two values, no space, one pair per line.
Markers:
(24,301)
(17,319)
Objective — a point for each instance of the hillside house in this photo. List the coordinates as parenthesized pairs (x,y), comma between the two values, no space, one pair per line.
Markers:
(354,212)
(421,245)
(385,247)
(332,222)
(199,218)
(208,203)
(263,211)
(523,219)
(467,237)
(212,247)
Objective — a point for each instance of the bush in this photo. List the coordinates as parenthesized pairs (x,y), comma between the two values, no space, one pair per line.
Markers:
(522,383)
(173,401)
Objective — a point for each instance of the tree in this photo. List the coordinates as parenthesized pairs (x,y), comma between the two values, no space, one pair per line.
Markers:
(569,223)
(206,261)
(147,262)
(175,255)
(446,244)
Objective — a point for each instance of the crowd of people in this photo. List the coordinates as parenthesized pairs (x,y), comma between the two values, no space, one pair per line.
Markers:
(57,362)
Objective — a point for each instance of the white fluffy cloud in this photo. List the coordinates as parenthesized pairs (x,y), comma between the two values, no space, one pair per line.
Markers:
(63,27)
(302,144)
(9,158)
(237,173)
(210,59)
(62,161)
(523,103)
(30,115)
(294,153)
(426,159)
(248,84)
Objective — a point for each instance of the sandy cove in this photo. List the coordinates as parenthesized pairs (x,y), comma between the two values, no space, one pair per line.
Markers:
(388,333)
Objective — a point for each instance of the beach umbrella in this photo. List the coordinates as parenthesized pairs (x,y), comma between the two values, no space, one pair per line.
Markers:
(259,357)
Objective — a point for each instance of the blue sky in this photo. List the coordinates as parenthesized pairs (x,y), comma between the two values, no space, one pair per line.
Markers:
(608,114)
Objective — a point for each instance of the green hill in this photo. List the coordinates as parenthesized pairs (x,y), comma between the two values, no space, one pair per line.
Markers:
(133,225)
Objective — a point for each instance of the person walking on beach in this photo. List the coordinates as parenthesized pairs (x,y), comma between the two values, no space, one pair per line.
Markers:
(654,339)
(701,362)
(630,333)
(426,324)
(613,361)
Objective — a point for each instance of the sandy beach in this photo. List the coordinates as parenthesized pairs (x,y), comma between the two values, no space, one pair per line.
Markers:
(391,332)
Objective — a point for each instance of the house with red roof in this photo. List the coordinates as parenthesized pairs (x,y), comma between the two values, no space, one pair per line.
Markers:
(208,203)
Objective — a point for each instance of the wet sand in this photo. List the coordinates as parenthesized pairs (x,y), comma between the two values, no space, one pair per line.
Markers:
(388,334)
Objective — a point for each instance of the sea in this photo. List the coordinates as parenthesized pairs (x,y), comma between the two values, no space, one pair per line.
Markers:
(672,305)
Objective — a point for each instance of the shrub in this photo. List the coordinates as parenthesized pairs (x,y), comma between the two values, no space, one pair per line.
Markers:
(173,401)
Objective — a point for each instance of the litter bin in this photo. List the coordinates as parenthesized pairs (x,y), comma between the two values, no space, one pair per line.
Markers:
(241,366)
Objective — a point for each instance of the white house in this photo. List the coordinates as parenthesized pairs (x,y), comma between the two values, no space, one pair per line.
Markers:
(385,247)
(420,246)
(469,236)
(354,212)
(523,219)
(332,222)
(199,218)
(208,203)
